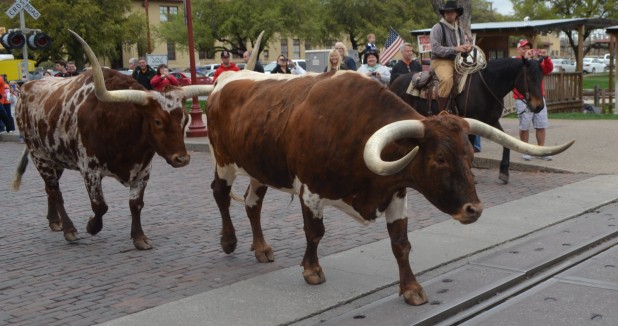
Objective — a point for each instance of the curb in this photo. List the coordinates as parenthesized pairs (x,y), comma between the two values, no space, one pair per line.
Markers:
(488,163)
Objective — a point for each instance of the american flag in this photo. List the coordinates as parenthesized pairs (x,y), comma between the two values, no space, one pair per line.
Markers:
(393,42)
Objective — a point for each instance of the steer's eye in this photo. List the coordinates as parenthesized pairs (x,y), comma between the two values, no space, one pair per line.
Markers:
(158,122)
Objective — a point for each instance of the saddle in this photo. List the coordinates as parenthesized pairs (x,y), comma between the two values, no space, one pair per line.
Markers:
(424,84)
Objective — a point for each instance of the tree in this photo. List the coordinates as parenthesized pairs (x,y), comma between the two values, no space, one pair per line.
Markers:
(234,23)
(357,18)
(557,9)
(102,24)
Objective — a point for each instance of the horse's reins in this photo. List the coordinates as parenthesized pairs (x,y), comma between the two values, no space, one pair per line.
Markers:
(526,100)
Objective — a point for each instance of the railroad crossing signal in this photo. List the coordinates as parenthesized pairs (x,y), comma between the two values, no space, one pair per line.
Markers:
(18,38)
(24,5)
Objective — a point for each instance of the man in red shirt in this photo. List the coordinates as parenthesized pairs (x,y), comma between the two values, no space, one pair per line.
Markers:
(526,117)
(226,64)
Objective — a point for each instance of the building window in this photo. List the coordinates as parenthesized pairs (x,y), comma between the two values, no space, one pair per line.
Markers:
(171,51)
(284,47)
(296,48)
(166,11)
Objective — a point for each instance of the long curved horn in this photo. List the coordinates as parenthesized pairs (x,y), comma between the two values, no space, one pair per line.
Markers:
(254,53)
(197,90)
(131,96)
(386,135)
(500,137)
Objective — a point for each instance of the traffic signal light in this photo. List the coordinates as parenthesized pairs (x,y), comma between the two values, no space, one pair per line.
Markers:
(13,40)
(38,41)
(16,39)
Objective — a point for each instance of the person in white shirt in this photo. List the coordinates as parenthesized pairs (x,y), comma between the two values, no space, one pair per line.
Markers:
(374,69)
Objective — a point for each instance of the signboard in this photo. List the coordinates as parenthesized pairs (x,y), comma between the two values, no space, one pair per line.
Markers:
(424,45)
(24,5)
(154,60)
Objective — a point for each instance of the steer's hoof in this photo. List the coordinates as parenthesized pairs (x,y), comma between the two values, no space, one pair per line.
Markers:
(415,298)
(228,244)
(55,226)
(314,277)
(93,227)
(265,255)
(71,236)
(504,178)
(142,244)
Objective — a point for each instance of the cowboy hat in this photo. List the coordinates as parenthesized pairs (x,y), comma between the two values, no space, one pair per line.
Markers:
(451,5)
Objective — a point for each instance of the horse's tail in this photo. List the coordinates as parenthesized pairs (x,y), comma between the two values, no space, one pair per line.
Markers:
(21,168)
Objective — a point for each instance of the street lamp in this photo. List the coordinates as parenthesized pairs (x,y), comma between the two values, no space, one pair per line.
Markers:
(197,127)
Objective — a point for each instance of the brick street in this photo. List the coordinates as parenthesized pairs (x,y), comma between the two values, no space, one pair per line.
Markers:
(46,280)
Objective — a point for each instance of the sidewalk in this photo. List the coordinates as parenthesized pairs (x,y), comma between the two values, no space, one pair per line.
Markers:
(596,142)
(282,297)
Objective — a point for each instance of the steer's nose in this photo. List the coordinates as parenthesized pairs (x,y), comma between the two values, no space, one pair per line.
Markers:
(470,213)
(180,160)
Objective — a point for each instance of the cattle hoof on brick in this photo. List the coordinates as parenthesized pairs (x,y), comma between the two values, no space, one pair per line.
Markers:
(55,226)
(228,244)
(94,226)
(142,244)
(314,277)
(71,236)
(265,255)
(415,297)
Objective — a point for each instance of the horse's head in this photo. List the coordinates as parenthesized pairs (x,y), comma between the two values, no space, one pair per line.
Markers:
(529,84)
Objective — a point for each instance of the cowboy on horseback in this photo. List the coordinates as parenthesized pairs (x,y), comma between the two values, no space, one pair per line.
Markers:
(447,40)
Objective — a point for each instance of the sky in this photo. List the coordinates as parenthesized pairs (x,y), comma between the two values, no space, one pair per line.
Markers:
(504,7)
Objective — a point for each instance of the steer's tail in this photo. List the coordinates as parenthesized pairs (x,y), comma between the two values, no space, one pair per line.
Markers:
(21,168)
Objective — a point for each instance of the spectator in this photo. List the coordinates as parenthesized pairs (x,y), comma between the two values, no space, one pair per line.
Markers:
(61,66)
(526,117)
(5,123)
(48,73)
(334,62)
(258,65)
(226,64)
(345,58)
(8,121)
(370,46)
(132,64)
(374,69)
(286,66)
(163,78)
(72,69)
(447,40)
(144,73)
(407,64)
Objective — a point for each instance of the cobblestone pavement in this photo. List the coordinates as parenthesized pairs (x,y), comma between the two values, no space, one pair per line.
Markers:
(45,280)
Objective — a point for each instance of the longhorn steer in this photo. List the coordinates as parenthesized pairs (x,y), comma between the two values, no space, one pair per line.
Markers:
(307,136)
(113,133)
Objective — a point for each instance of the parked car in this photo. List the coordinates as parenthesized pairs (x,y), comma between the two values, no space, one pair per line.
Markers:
(564,65)
(593,65)
(184,78)
(606,60)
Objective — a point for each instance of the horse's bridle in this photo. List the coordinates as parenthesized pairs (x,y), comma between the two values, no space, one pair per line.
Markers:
(527,96)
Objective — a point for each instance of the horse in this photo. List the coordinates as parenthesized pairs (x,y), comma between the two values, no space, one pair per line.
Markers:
(482,97)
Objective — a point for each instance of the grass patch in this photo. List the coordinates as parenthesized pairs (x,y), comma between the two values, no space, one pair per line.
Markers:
(190,103)
(601,79)
(582,116)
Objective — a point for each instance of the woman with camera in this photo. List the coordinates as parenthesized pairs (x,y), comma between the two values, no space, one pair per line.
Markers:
(286,66)
(374,69)
(163,78)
